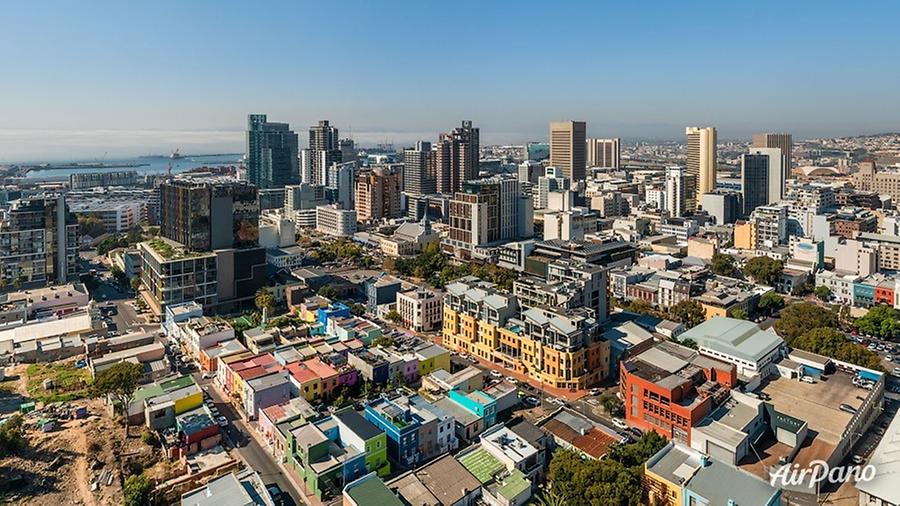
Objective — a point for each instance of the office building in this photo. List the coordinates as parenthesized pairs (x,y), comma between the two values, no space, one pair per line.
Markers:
(271,153)
(762,178)
(38,242)
(604,153)
(680,194)
(869,178)
(339,180)
(332,220)
(456,157)
(420,310)
(487,212)
(348,150)
(567,148)
(209,215)
(378,194)
(303,196)
(530,171)
(418,170)
(784,142)
(551,181)
(322,151)
(85,180)
(726,206)
(117,216)
(701,161)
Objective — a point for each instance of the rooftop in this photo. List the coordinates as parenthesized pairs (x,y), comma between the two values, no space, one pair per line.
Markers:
(481,464)
(371,491)
(737,338)
(886,461)
(721,483)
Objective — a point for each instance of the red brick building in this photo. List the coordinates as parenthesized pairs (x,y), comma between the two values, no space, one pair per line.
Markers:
(669,388)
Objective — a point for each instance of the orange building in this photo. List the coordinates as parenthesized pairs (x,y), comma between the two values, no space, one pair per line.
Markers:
(669,388)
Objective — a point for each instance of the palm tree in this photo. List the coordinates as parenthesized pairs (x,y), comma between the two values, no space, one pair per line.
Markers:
(552,498)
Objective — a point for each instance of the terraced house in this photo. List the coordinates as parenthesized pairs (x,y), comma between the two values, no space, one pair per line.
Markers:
(560,347)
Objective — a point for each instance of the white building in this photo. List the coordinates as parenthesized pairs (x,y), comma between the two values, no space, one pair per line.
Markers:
(421,310)
(201,333)
(742,343)
(333,220)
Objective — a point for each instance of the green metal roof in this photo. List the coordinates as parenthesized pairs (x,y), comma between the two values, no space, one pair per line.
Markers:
(373,492)
(481,464)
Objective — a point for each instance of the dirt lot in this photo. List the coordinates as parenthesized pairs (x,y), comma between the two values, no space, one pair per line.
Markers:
(61,466)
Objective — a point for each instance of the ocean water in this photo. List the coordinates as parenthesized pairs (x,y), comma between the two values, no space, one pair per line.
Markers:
(148,165)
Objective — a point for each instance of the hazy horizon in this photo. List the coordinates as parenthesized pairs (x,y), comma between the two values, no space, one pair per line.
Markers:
(125,80)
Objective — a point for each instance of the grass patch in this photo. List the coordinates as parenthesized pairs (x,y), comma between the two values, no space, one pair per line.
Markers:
(69,382)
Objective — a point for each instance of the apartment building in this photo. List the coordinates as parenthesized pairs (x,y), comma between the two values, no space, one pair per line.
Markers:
(421,310)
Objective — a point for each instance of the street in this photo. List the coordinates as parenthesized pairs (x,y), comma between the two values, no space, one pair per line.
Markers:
(246,446)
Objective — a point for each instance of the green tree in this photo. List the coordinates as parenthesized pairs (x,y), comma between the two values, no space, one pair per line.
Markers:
(640,306)
(383,340)
(393,316)
(357,309)
(137,490)
(770,303)
(118,275)
(797,319)
(12,440)
(264,300)
(833,343)
(740,314)
(690,313)
(763,270)
(612,405)
(119,382)
(328,292)
(823,293)
(881,321)
(90,225)
(635,454)
(136,283)
(723,265)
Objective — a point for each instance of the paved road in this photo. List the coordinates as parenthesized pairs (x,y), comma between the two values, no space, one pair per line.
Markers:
(255,455)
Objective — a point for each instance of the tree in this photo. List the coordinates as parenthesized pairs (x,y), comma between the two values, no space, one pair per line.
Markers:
(90,225)
(264,301)
(833,343)
(635,454)
(119,382)
(640,306)
(723,265)
(383,340)
(770,303)
(328,292)
(136,283)
(880,321)
(18,282)
(797,319)
(393,316)
(823,293)
(688,312)
(612,405)
(137,490)
(118,275)
(763,270)
(11,439)
(357,309)
(740,314)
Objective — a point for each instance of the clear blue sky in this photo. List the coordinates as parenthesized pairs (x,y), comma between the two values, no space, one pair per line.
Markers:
(82,78)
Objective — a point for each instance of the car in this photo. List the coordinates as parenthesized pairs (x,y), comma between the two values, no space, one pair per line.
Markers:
(619,423)
(594,391)
(873,346)
(496,374)
(847,408)
(634,431)
(531,401)
(222,421)
(808,379)
(889,358)
(856,459)
(208,375)
(512,380)
(896,372)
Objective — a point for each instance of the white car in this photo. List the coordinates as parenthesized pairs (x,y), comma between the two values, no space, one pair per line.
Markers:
(512,380)
(808,379)
(222,421)
(594,391)
(619,423)
(496,374)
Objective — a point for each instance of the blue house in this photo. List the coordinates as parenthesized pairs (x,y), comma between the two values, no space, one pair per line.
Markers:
(477,402)
(401,427)
(335,310)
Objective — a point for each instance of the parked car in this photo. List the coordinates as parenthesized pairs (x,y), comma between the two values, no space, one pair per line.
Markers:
(594,391)
(496,374)
(222,421)
(531,401)
(512,380)
(619,423)
(808,379)
(856,459)
(847,408)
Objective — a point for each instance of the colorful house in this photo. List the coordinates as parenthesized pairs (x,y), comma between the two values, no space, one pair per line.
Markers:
(478,403)
(362,433)
(400,424)
(335,310)
(158,404)
(431,358)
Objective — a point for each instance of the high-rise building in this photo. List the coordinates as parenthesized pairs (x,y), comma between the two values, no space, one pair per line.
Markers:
(271,153)
(378,194)
(332,220)
(418,170)
(701,161)
(679,191)
(552,181)
(209,215)
(322,151)
(348,150)
(487,212)
(604,153)
(762,178)
(339,182)
(38,242)
(303,196)
(567,148)
(726,206)
(456,157)
(784,142)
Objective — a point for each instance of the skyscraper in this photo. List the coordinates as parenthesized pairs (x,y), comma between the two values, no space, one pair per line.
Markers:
(322,151)
(206,216)
(271,153)
(456,158)
(551,181)
(784,142)
(485,212)
(762,177)
(418,170)
(348,150)
(604,153)
(679,191)
(701,162)
(567,148)
(38,242)
(378,194)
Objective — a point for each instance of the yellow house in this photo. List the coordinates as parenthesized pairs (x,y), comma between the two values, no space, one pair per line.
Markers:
(431,358)
(666,471)
(745,235)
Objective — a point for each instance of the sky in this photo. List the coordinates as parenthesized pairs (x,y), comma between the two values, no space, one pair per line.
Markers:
(82,79)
